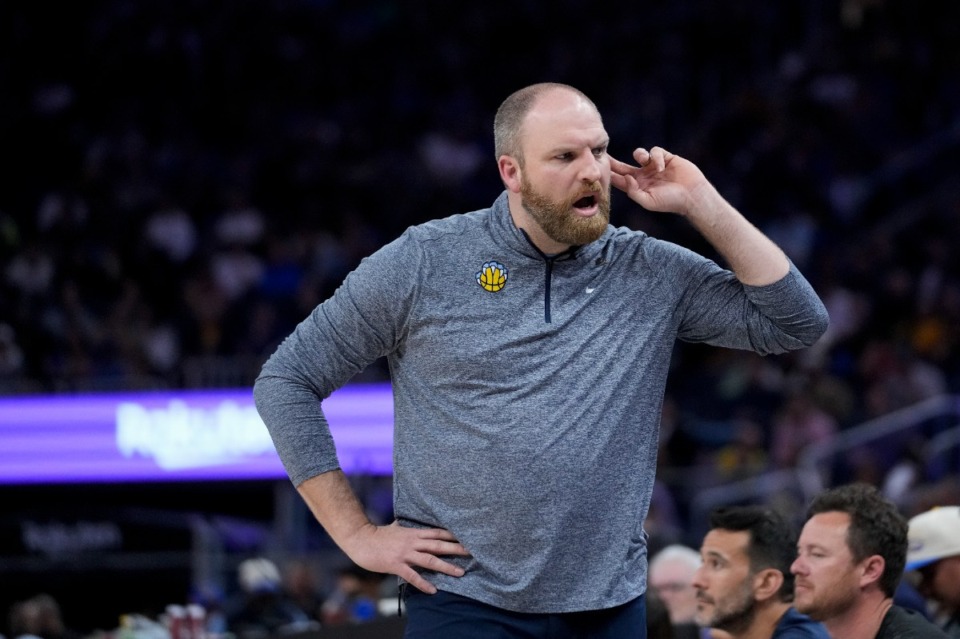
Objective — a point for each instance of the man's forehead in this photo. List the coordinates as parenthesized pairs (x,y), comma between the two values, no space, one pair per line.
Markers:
(728,543)
(562,117)
(825,527)
(562,101)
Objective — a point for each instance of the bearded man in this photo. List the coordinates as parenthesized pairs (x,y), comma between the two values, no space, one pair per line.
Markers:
(529,345)
(744,585)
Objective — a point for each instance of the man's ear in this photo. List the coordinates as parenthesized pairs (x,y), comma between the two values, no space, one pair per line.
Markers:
(766,584)
(510,172)
(872,569)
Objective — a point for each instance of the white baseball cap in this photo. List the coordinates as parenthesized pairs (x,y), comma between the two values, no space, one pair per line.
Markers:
(933,535)
(259,575)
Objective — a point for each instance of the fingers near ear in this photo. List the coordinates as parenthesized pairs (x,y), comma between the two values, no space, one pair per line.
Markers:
(659,157)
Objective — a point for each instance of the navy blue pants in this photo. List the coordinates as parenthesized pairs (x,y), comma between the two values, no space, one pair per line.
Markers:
(449,616)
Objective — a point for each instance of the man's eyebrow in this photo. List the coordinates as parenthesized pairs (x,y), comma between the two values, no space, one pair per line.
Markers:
(716,554)
(579,144)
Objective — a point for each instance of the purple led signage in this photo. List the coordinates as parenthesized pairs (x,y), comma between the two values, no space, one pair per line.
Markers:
(176,436)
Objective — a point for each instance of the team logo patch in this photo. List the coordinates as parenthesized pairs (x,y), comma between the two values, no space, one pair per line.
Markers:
(492,276)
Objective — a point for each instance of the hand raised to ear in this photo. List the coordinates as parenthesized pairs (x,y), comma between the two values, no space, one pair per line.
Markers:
(661,181)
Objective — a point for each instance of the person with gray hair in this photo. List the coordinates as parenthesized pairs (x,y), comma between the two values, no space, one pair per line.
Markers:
(670,575)
(529,345)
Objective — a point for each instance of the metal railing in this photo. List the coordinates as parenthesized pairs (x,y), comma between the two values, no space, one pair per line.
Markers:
(928,430)
(910,430)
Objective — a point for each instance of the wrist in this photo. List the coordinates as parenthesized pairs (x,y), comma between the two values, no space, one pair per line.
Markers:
(703,203)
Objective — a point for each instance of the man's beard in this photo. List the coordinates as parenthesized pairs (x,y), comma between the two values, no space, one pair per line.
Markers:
(558,219)
(835,601)
(736,616)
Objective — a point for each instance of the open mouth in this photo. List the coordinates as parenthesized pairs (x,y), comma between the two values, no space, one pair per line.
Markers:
(586,204)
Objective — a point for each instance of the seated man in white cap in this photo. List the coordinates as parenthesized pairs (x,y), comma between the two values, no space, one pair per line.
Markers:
(262,608)
(934,553)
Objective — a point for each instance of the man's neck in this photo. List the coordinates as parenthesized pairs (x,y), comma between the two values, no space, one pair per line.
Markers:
(861,621)
(764,622)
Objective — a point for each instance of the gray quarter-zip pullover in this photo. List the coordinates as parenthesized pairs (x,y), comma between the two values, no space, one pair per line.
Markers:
(527,391)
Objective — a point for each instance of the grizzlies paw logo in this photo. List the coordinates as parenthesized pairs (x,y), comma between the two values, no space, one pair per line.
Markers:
(492,276)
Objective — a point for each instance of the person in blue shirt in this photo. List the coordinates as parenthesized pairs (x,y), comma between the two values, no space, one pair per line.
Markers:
(744,585)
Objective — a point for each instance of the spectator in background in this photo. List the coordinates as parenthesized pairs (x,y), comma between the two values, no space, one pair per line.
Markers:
(851,555)
(262,608)
(11,355)
(744,586)
(745,455)
(241,223)
(32,271)
(671,578)
(933,555)
(799,423)
(301,583)
(659,625)
(171,232)
(356,597)
(39,618)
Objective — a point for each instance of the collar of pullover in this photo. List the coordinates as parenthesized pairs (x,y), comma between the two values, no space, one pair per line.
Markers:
(515,239)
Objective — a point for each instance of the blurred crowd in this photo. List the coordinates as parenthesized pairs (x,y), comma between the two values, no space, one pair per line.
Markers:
(266,598)
(188,180)
(184,181)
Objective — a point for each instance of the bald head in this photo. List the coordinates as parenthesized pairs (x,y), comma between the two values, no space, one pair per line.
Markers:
(513,112)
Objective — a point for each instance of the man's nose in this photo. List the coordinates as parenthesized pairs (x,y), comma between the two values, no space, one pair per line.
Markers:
(797,566)
(591,171)
(697,581)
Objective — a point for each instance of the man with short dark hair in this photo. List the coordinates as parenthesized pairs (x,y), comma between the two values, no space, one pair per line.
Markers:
(850,558)
(744,585)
